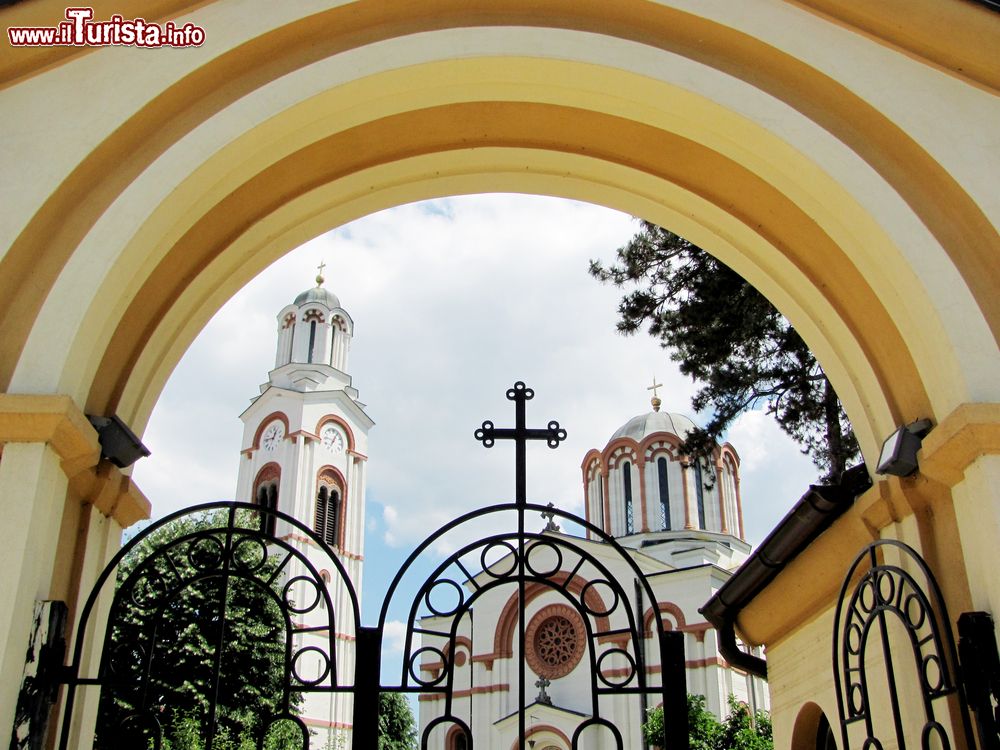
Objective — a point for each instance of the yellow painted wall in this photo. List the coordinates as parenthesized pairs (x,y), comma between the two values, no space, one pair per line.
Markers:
(842,155)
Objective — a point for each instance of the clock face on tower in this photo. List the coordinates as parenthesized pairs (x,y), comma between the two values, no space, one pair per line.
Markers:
(272,435)
(333,439)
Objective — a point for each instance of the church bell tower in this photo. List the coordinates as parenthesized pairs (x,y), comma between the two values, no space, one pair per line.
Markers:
(304,452)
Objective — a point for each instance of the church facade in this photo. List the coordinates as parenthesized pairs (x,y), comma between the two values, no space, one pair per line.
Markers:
(304,453)
(681,523)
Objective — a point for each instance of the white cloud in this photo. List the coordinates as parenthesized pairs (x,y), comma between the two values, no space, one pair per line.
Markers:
(394,636)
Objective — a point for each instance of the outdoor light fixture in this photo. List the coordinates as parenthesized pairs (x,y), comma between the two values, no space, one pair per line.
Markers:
(118,443)
(899,451)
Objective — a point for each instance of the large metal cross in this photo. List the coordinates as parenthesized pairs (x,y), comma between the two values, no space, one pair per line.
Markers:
(488,434)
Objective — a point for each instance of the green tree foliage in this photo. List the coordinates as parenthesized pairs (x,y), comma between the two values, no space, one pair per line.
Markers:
(190,623)
(396,728)
(740,730)
(726,335)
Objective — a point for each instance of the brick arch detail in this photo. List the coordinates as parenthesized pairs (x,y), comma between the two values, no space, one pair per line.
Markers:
(338,479)
(268,472)
(340,422)
(503,637)
(630,451)
(664,608)
(541,728)
(279,415)
(672,447)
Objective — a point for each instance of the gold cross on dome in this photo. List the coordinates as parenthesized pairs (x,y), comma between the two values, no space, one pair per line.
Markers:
(654,386)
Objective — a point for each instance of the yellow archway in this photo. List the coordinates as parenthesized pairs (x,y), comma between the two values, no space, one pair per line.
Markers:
(148,185)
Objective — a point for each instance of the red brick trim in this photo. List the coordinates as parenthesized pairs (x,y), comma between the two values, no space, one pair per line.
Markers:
(499,688)
(339,421)
(281,416)
(538,729)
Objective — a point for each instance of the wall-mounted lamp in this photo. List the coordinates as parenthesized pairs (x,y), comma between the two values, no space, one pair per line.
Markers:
(899,451)
(118,443)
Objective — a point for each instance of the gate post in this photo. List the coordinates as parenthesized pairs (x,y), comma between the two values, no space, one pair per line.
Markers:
(367,678)
(674,676)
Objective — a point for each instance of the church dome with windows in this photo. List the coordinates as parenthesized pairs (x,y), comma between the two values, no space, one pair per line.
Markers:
(642,487)
(314,330)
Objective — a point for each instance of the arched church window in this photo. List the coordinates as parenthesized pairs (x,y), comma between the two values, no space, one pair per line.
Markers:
(267,497)
(629,516)
(327,516)
(699,490)
(312,340)
(661,471)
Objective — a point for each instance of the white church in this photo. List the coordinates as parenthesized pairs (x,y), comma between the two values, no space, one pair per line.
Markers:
(305,453)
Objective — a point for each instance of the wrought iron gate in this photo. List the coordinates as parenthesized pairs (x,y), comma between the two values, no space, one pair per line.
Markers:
(890,586)
(253,554)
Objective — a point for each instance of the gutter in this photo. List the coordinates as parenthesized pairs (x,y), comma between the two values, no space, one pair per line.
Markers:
(813,514)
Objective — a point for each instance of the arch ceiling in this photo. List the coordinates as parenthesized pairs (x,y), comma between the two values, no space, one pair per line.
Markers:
(866,212)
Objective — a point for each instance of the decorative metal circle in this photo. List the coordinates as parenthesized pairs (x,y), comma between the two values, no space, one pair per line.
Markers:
(508,553)
(854,640)
(937,729)
(627,675)
(146,590)
(931,673)
(556,434)
(599,612)
(554,641)
(440,586)
(885,586)
(520,386)
(857,700)
(915,611)
(310,586)
(867,597)
(205,553)
(545,568)
(249,554)
(124,658)
(325,664)
(414,666)
(482,432)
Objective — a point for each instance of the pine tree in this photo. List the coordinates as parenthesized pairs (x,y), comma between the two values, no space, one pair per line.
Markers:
(726,335)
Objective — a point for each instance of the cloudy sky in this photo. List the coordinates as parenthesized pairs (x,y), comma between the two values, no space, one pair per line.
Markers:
(453,301)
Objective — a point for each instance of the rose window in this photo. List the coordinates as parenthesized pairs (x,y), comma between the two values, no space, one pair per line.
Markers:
(555,639)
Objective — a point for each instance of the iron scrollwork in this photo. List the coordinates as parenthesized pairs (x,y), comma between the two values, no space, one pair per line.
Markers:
(241,552)
(889,586)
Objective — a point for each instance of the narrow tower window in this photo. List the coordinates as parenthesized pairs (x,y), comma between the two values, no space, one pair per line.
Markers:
(267,497)
(627,479)
(699,489)
(312,340)
(661,470)
(327,514)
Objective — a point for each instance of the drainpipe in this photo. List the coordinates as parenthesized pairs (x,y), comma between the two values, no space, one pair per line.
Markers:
(813,514)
